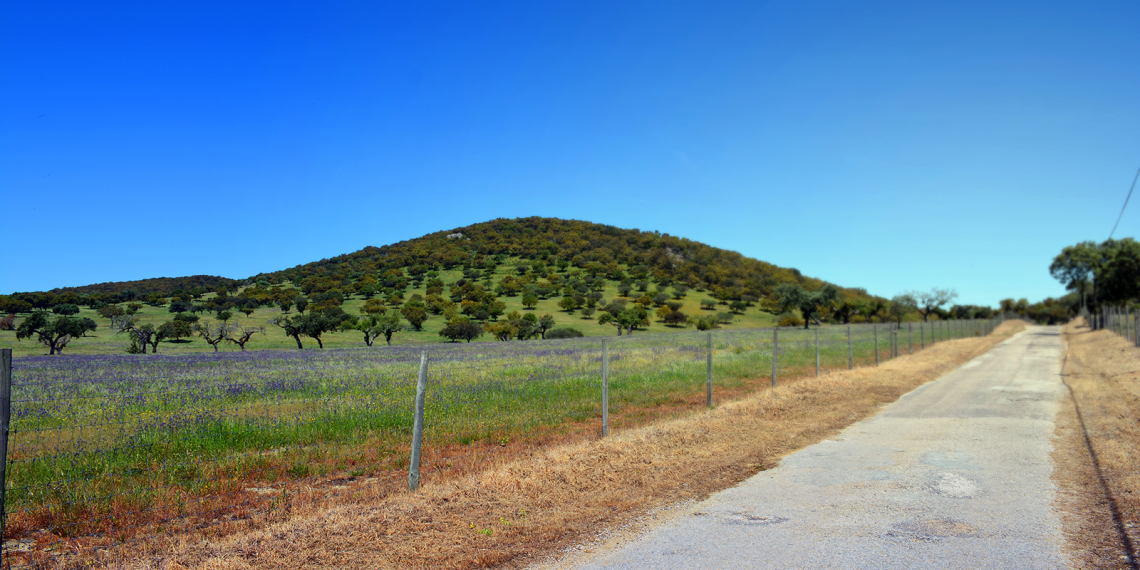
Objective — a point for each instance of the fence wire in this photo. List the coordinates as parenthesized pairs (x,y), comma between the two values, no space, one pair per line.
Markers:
(104,450)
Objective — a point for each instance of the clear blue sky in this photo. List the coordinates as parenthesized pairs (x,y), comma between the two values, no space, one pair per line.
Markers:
(891,146)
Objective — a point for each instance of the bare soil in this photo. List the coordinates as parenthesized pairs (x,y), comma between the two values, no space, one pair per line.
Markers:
(534,507)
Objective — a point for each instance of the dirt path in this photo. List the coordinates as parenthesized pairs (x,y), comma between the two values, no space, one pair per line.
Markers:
(956,474)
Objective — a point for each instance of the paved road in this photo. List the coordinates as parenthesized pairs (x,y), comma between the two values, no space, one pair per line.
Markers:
(953,475)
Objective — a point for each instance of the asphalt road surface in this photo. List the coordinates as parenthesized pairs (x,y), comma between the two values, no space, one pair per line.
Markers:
(955,474)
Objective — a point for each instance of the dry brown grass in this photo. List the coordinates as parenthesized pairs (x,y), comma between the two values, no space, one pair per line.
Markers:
(519,511)
(1098,448)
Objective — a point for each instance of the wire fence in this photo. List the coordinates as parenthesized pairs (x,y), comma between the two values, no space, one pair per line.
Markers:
(1123,321)
(104,450)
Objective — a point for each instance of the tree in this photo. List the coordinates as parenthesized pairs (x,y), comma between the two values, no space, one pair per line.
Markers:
(871,308)
(293,327)
(502,331)
(793,296)
(316,323)
(110,311)
(495,308)
(174,330)
(66,309)
(738,307)
(704,323)
(900,306)
(568,304)
(225,316)
(247,310)
(211,333)
(708,304)
(1119,276)
(180,306)
(462,328)
(151,337)
(140,335)
(415,314)
(929,302)
(545,323)
(529,300)
(1076,266)
(676,319)
(302,304)
(845,310)
(375,326)
(240,335)
(54,334)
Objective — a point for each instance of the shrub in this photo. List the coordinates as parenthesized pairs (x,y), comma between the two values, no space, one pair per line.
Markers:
(704,323)
(790,320)
(563,332)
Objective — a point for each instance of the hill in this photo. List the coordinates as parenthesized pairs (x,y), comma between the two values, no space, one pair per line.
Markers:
(599,249)
(507,276)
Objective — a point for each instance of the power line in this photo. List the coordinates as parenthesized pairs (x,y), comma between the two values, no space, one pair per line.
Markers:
(1125,204)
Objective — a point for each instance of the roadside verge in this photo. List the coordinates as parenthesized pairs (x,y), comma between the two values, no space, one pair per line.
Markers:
(1098,447)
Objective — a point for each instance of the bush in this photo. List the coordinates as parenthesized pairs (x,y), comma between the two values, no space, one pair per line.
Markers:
(704,323)
(8,323)
(563,332)
(724,318)
(790,320)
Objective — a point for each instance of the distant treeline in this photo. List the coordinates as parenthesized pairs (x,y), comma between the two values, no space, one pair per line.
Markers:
(116,292)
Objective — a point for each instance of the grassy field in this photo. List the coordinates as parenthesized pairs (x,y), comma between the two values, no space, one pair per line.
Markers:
(106,446)
(104,341)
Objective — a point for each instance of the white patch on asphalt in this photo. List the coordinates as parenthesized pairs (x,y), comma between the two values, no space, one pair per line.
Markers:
(955,486)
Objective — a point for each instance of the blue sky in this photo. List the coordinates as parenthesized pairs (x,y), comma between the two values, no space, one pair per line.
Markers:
(891,146)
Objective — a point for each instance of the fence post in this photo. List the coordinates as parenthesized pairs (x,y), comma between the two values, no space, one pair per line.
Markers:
(876,327)
(817,351)
(850,355)
(922,335)
(775,353)
(605,387)
(418,427)
(5,419)
(708,375)
(910,338)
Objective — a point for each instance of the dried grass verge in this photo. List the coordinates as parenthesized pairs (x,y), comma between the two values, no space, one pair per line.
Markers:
(1097,448)
(530,509)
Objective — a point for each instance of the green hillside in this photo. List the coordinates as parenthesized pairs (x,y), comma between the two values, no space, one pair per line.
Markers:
(491,274)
